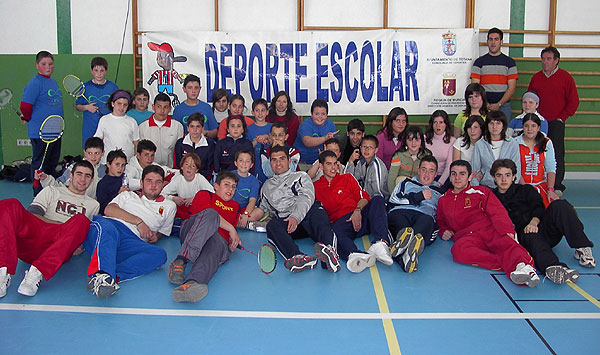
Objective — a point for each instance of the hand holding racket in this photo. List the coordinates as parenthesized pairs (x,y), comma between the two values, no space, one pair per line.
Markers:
(267,260)
(50,131)
(6,95)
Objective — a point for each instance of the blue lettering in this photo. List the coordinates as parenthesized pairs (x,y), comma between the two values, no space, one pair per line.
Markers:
(351,91)
(286,51)
(336,69)
(322,50)
(240,65)
(271,70)
(396,75)
(382,91)
(301,94)
(226,51)
(411,69)
(367,51)
(210,57)
(255,55)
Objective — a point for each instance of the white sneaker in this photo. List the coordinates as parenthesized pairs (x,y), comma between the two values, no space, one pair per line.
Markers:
(525,275)
(357,262)
(4,281)
(30,284)
(382,252)
(585,257)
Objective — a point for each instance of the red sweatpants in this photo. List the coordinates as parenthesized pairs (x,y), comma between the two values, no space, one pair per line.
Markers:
(44,245)
(491,251)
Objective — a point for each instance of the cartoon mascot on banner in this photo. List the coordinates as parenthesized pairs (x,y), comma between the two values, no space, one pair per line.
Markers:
(165,58)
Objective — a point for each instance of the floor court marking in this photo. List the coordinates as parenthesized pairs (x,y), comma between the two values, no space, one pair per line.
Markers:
(586,295)
(388,325)
(588,208)
(199,313)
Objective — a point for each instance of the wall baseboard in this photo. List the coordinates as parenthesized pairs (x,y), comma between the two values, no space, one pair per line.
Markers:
(573,175)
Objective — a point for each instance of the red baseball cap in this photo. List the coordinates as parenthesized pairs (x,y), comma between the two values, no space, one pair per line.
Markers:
(164,47)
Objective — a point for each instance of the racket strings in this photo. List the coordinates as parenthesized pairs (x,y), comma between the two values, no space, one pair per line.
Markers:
(74,86)
(51,128)
(5,97)
(267,259)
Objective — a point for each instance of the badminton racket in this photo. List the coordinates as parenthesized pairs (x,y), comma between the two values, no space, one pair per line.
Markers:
(50,131)
(75,87)
(267,260)
(6,95)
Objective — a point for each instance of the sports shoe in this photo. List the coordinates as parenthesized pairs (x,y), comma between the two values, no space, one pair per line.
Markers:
(30,284)
(190,291)
(4,281)
(585,257)
(177,272)
(402,238)
(382,252)
(414,248)
(560,274)
(102,285)
(525,275)
(330,257)
(357,262)
(300,262)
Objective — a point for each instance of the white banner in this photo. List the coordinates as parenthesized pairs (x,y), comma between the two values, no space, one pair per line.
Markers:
(357,73)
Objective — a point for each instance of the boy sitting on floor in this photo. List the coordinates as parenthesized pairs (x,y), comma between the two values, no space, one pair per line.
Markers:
(207,239)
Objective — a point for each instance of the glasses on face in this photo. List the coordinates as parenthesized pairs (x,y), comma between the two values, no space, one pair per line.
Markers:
(367,147)
(400,120)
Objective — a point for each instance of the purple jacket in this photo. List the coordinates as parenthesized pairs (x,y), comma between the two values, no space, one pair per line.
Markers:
(387,148)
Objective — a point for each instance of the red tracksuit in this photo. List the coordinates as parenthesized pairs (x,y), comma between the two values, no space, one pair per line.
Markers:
(44,245)
(481,226)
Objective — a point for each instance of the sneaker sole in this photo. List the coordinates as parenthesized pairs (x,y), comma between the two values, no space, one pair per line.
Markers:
(361,265)
(191,294)
(107,291)
(402,240)
(325,255)
(572,275)
(412,265)
(557,274)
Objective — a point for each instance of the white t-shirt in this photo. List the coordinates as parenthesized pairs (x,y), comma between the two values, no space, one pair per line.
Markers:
(59,204)
(465,154)
(186,189)
(497,147)
(157,214)
(117,132)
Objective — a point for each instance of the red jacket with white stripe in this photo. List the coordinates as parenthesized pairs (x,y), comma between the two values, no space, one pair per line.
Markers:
(340,196)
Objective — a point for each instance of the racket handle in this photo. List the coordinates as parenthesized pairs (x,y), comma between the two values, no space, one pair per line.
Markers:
(36,182)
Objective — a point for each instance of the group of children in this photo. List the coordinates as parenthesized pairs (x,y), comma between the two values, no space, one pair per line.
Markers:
(401,186)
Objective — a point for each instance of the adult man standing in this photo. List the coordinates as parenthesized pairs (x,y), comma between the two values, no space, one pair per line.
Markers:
(289,197)
(558,101)
(119,242)
(497,72)
(49,232)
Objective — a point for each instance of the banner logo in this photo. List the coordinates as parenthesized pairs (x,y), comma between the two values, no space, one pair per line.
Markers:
(449,84)
(449,43)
